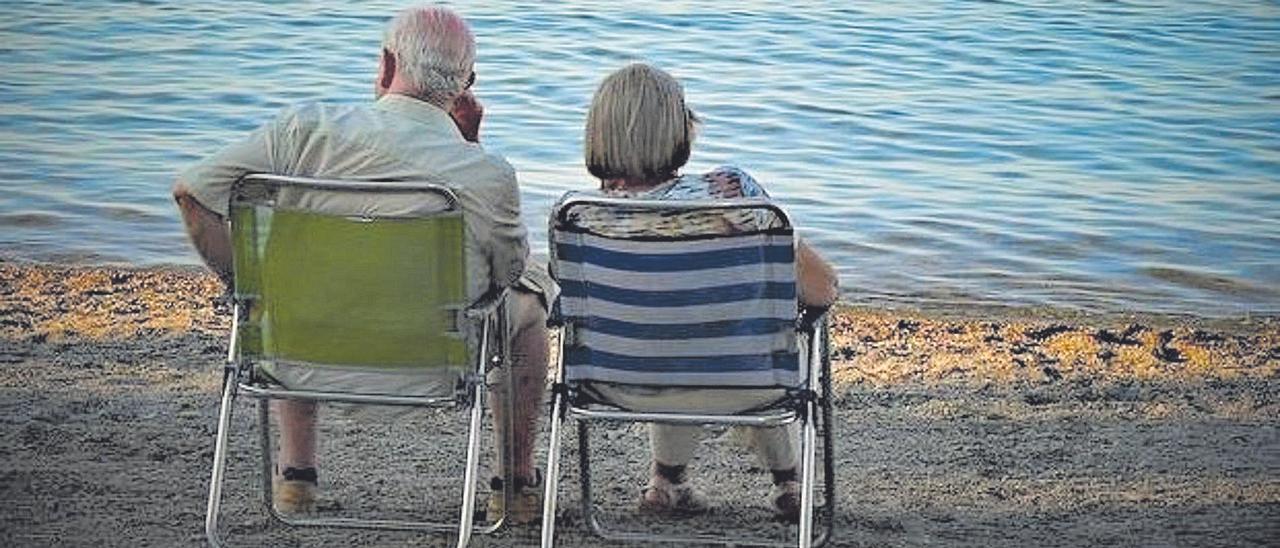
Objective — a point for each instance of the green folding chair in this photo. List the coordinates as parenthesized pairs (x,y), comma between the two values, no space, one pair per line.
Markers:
(366,306)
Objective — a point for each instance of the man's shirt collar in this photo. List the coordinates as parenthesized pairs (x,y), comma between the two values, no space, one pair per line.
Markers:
(418,110)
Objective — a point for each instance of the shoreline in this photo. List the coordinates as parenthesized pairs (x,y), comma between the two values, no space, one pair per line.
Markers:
(1243,321)
(66,304)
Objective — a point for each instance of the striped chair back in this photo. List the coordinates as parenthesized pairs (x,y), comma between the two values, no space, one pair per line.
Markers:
(712,304)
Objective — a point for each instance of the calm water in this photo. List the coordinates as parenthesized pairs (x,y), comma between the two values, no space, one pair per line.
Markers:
(1100,156)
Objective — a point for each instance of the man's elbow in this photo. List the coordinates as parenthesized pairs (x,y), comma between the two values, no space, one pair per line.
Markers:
(181,192)
(193,212)
(185,201)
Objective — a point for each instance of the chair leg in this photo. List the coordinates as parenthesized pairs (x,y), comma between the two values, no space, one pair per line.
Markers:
(220,459)
(584,477)
(553,474)
(828,478)
(807,476)
(268,461)
(828,442)
(473,461)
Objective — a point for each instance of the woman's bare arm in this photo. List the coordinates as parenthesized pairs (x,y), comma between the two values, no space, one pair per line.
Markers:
(816,280)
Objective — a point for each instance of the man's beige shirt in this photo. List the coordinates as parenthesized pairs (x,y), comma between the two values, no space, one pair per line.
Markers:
(398,138)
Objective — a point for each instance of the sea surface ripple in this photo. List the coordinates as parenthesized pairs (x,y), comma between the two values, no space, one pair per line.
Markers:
(1094,156)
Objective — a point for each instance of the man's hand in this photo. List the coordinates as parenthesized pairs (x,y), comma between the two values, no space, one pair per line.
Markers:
(466,113)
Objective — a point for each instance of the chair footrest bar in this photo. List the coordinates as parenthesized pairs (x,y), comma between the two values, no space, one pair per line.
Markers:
(772,419)
(286,394)
(380,524)
(698,539)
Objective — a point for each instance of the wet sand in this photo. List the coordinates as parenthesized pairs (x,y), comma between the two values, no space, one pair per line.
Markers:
(954,428)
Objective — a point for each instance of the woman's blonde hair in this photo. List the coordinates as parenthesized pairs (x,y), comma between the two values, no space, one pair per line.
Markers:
(638,127)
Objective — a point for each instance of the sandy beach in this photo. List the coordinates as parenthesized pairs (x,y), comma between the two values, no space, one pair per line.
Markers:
(954,428)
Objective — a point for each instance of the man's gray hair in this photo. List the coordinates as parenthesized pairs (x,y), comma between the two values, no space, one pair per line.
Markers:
(435,52)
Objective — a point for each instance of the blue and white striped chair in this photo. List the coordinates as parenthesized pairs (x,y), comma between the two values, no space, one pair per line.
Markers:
(689,295)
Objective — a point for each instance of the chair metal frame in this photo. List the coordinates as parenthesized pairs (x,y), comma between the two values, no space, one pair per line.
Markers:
(811,405)
(240,377)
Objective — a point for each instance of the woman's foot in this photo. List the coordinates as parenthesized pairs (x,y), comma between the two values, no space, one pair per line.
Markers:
(785,499)
(662,496)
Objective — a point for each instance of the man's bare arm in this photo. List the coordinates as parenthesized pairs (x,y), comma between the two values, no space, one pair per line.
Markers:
(208,232)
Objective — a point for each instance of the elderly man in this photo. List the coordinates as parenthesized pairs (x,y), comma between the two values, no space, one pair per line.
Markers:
(424,125)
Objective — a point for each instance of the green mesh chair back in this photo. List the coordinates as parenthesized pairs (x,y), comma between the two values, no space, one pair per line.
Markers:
(348,293)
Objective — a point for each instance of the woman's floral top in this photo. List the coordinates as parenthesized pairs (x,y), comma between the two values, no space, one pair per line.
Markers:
(725,182)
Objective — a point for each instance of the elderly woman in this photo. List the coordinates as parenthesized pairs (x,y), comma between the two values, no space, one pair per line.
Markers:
(638,137)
